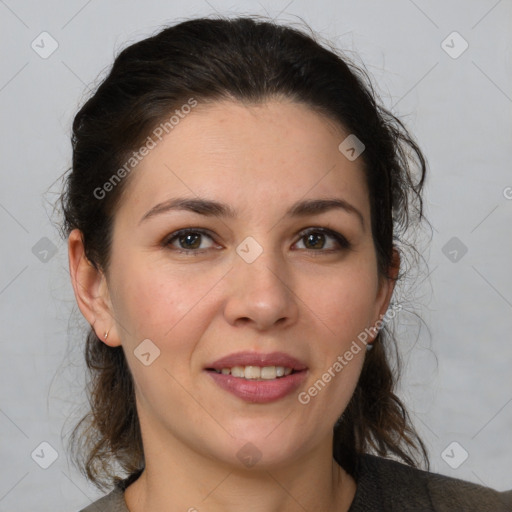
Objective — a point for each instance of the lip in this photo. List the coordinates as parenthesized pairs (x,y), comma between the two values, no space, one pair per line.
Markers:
(257,359)
(258,391)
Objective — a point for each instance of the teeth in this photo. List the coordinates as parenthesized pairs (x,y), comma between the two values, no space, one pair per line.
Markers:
(256,372)
(237,371)
(267,372)
(252,372)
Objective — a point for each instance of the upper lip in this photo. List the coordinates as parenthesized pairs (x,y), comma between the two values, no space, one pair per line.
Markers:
(257,359)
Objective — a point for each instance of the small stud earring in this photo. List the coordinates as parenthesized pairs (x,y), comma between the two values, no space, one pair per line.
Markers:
(106,334)
(369,347)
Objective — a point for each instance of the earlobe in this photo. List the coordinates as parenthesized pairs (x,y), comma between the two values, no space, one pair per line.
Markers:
(393,272)
(91,291)
(110,341)
(387,286)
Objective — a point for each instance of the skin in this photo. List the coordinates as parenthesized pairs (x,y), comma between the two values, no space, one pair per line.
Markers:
(309,299)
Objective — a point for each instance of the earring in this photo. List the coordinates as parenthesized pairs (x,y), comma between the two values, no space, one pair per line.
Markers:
(106,334)
(369,346)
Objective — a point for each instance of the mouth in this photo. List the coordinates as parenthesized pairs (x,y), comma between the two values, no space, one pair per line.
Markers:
(256,372)
(256,377)
(246,364)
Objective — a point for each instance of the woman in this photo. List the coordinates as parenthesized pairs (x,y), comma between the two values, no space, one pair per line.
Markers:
(233,216)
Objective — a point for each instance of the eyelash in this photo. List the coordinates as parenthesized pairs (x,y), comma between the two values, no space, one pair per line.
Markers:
(338,237)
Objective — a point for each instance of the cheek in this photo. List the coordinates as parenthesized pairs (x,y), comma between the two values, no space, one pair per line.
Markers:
(342,302)
(161,302)
(172,312)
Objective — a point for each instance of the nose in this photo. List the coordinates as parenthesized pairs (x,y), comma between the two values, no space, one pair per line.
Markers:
(261,294)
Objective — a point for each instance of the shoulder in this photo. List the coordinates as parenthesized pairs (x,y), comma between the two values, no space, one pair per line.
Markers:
(112,502)
(392,485)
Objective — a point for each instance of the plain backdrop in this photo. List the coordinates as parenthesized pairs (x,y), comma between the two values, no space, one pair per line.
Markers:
(457,102)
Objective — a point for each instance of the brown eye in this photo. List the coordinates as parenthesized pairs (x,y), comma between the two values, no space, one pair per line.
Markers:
(188,241)
(191,241)
(316,239)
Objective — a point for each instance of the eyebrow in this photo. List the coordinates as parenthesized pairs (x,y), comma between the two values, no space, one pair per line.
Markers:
(213,208)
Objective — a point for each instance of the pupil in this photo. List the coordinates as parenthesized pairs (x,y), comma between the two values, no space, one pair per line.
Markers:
(313,237)
(187,239)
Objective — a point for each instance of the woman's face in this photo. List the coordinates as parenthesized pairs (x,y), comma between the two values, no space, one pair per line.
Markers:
(265,279)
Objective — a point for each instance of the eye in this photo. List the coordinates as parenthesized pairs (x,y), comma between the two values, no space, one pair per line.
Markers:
(315,240)
(188,241)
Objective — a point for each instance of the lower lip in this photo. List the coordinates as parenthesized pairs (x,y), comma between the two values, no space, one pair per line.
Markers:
(259,391)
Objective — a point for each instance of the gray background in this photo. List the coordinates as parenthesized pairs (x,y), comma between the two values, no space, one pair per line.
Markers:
(457,381)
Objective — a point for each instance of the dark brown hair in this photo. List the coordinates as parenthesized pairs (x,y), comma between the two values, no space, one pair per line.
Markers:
(249,60)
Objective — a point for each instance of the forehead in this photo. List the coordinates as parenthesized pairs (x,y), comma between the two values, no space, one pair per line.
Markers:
(274,152)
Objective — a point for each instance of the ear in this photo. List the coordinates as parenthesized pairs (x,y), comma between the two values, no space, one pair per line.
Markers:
(91,291)
(386,286)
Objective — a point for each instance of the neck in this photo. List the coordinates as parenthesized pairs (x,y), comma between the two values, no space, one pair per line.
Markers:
(177,478)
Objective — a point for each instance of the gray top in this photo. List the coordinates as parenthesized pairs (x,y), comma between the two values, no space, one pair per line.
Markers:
(385,485)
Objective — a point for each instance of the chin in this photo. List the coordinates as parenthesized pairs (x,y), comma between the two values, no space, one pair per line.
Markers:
(258,448)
